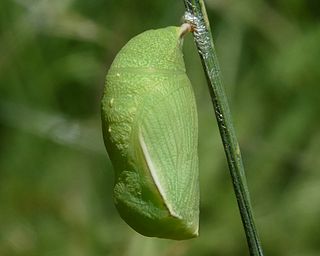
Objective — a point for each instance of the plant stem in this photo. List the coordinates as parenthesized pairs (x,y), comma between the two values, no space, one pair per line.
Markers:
(197,16)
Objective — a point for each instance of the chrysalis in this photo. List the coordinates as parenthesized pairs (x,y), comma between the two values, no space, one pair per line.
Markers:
(150,130)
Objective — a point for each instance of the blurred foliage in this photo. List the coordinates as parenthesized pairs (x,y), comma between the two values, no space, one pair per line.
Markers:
(55,177)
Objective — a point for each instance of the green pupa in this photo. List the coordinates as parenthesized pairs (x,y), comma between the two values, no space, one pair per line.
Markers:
(150,129)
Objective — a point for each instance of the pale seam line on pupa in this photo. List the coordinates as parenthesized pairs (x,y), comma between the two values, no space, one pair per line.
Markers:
(154,175)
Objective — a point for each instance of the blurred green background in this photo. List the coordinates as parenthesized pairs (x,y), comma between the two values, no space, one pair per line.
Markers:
(55,177)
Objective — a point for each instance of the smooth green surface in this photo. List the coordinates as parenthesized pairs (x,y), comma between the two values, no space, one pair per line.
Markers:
(56,181)
(150,128)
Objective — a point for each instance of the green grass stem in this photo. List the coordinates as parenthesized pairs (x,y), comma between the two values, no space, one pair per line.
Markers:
(196,15)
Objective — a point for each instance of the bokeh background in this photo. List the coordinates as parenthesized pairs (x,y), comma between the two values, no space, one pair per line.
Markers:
(55,176)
